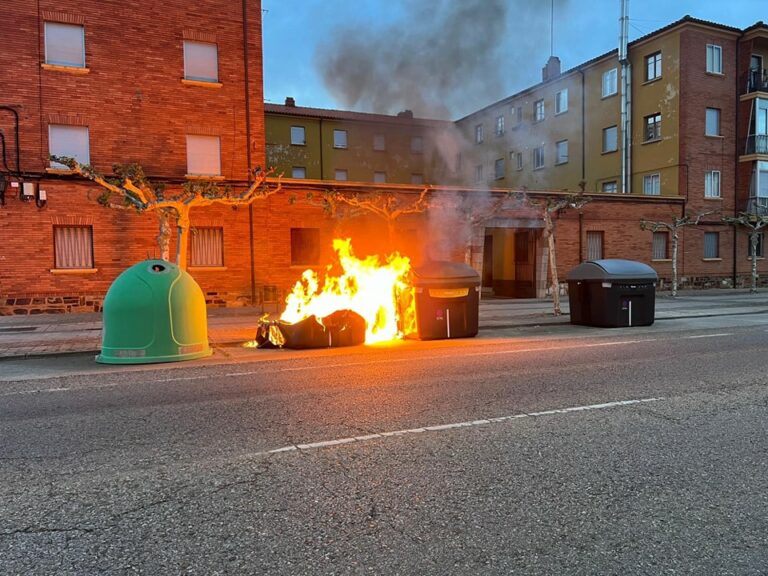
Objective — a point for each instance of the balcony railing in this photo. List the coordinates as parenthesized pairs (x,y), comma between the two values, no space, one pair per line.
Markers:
(756,81)
(757,206)
(757,144)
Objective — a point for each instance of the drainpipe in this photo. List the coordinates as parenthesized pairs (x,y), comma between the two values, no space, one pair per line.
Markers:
(734,273)
(16,133)
(248,158)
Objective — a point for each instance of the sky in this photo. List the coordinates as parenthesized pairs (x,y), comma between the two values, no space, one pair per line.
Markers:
(447,58)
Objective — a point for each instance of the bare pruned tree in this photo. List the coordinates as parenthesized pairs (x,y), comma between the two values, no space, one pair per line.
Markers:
(673,226)
(755,224)
(131,188)
(554,206)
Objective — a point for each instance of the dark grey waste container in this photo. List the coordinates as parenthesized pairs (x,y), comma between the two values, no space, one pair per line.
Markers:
(447,300)
(612,293)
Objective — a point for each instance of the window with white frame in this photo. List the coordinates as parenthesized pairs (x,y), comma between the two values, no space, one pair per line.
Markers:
(206,246)
(758,248)
(609,187)
(660,246)
(203,155)
(519,157)
(538,157)
(479,134)
(652,127)
(653,66)
(711,245)
(516,160)
(712,122)
(417,145)
(610,139)
(73,247)
(561,150)
(714,59)
(298,136)
(339,138)
(478,173)
(595,245)
(305,246)
(538,111)
(299,172)
(380,177)
(64,44)
(201,61)
(652,184)
(379,142)
(70,141)
(516,113)
(340,174)
(561,101)
(499,169)
(499,126)
(610,82)
(712,184)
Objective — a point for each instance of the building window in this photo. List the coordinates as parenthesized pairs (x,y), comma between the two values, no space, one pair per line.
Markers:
(298,172)
(70,141)
(417,178)
(203,155)
(712,184)
(64,45)
(298,136)
(610,82)
(660,246)
(201,61)
(713,122)
(759,247)
(380,177)
(478,174)
(73,247)
(714,59)
(538,111)
(538,157)
(379,142)
(206,247)
(516,158)
(499,131)
(711,245)
(340,174)
(339,138)
(516,112)
(479,134)
(653,66)
(305,246)
(610,139)
(561,149)
(595,245)
(417,145)
(561,101)
(498,169)
(652,127)
(609,187)
(652,184)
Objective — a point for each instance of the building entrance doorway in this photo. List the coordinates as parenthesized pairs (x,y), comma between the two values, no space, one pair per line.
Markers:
(509,262)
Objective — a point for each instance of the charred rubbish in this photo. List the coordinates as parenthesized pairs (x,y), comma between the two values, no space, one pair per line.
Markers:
(339,329)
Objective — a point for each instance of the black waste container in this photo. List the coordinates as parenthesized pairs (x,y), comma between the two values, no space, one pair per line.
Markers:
(447,300)
(612,293)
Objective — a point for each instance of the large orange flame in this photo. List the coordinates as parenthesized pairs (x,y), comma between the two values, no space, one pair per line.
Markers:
(376,291)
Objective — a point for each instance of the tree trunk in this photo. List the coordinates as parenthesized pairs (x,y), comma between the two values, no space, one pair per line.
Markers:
(549,230)
(182,225)
(164,235)
(675,241)
(753,237)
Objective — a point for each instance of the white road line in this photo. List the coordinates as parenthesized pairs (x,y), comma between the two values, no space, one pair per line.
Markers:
(442,427)
(709,336)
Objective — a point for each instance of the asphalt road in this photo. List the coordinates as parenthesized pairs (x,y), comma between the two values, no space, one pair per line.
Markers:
(575,452)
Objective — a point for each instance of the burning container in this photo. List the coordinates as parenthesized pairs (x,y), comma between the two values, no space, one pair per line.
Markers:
(447,300)
(612,293)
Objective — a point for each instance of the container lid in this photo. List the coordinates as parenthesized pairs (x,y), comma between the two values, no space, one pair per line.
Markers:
(442,270)
(613,269)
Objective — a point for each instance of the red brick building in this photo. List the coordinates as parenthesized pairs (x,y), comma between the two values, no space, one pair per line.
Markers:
(178,90)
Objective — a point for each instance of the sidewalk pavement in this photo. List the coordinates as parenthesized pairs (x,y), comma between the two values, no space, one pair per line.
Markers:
(55,334)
